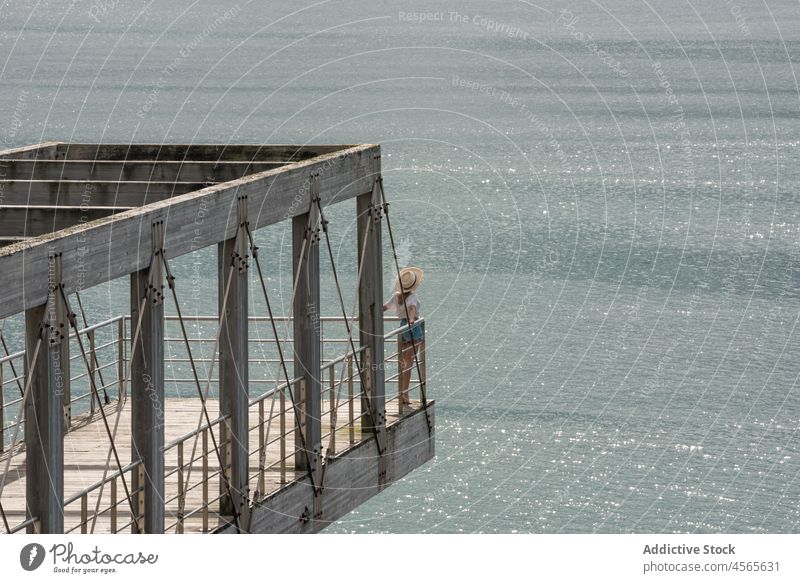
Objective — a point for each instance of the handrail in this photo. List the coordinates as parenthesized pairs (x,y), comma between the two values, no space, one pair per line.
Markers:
(401,329)
(33,520)
(111,476)
(177,441)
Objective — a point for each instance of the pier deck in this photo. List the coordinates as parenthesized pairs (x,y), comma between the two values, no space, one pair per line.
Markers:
(73,216)
(86,449)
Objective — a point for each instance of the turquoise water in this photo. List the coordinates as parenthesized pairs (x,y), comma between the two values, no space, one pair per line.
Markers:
(604,201)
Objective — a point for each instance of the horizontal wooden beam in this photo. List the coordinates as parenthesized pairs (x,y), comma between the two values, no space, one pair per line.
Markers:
(194,152)
(351,478)
(98,193)
(11,240)
(118,245)
(33,221)
(15,169)
(43,151)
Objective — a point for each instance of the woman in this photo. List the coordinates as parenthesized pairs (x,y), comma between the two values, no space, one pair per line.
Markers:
(406,305)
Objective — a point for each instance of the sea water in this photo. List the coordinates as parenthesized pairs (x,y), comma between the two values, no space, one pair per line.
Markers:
(603,196)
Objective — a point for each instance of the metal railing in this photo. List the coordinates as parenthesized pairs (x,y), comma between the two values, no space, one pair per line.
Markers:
(118,509)
(181,492)
(193,476)
(106,353)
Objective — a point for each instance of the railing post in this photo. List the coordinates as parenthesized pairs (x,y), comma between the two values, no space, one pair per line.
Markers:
(262,448)
(422,371)
(283,436)
(307,358)
(205,480)
(181,489)
(114,506)
(48,377)
(92,369)
(233,365)
(399,374)
(2,412)
(147,387)
(120,359)
(350,406)
(84,513)
(370,302)
(332,410)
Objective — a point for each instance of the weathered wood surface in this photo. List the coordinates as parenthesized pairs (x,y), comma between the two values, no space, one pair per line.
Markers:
(43,151)
(139,170)
(92,193)
(147,390)
(44,411)
(33,221)
(307,333)
(193,220)
(351,477)
(86,448)
(234,366)
(370,298)
(209,152)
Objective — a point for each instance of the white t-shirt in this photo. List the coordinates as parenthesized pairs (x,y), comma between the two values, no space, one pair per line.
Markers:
(411,300)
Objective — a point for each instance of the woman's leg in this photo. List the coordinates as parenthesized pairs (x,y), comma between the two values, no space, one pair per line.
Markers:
(407,360)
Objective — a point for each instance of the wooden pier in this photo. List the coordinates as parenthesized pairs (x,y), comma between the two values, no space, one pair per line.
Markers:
(91,443)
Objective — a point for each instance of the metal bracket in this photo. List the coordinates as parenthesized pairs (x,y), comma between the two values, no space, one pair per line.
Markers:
(312,229)
(156,292)
(240,258)
(57,324)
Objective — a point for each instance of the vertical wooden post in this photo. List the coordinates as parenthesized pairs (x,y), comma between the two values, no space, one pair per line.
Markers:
(147,387)
(181,492)
(350,407)
(233,365)
(92,371)
(84,513)
(332,412)
(121,392)
(114,506)
(2,412)
(283,436)
(370,303)
(205,480)
(307,357)
(44,410)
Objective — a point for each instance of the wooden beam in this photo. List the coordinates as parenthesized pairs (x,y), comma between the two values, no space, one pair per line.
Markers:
(147,388)
(11,240)
(307,357)
(140,170)
(48,376)
(196,152)
(351,478)
(43,151)
(233,367)
(78,192)
(195,220)
(370,304)
(33,221)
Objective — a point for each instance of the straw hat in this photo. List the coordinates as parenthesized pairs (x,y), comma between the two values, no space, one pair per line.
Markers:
(411,278)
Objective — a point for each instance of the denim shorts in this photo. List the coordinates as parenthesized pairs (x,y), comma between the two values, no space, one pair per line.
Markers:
(416,331)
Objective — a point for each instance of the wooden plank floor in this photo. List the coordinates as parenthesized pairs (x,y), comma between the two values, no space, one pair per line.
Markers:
(86,449)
